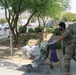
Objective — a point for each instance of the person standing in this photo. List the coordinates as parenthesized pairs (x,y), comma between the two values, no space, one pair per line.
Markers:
(70,45)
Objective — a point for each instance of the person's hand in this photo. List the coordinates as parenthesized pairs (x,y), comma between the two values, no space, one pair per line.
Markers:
(51,43)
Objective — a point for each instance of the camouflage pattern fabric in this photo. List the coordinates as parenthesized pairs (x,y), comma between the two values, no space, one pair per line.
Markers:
(70,53)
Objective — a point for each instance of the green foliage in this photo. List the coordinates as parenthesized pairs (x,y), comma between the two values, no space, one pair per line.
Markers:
(38,29)
(50,30)
(56,7)
(31,30)
(24,29)
(51,26)
(2,21)
(24,39)
(68,16)
(58,45)
(57,31)
(44,8)
(33,36)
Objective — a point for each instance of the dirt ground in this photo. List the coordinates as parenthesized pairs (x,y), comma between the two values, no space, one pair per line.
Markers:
(5,53)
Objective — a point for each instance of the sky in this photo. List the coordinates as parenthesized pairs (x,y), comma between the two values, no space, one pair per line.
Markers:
(73,6)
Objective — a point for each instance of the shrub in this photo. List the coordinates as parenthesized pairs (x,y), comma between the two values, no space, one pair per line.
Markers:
(57,31)
(2,21)
(33,36)
(24,38)
(50,26)
(38,29)
(58,45)
(22,29)
(50,30)
(31,30)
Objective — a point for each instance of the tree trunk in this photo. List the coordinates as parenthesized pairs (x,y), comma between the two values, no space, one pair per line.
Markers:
(16,41)
(39,21)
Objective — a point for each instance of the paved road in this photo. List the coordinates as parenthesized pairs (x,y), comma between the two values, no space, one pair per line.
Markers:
(17,68)
(73,66)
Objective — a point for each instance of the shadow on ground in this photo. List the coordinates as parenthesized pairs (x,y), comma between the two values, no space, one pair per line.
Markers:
(7,64)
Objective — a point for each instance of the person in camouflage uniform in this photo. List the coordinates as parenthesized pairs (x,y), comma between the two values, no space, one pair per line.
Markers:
(70,45)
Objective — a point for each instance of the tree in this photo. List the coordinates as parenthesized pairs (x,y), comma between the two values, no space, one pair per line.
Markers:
(68,16)
(53,9)
(14,8)
(12,12)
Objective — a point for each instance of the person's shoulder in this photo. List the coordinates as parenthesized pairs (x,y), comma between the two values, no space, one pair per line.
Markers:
(67,30)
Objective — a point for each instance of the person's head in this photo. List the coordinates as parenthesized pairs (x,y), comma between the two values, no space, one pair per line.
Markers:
(62,26)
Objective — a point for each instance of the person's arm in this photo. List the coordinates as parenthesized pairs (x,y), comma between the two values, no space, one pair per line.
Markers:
(63,36)
(59,39)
